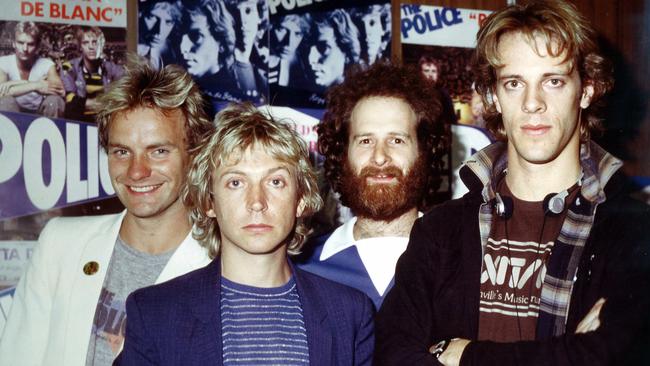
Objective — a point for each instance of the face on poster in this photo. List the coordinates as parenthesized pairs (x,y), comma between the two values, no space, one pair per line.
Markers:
(439,42)
(311,51)
(223,44)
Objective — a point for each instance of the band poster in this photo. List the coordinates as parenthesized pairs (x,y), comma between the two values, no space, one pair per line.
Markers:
(282,53)
(440,42)
(56,57)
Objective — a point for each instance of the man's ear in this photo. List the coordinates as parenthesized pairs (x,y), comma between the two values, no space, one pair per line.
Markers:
(587,95)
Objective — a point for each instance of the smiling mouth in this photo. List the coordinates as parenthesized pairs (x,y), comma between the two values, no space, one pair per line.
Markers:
(381,178)
(144,189)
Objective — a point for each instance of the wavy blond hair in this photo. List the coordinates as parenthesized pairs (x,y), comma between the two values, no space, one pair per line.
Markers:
(240,127)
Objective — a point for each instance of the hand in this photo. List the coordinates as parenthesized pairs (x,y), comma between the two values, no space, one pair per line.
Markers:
(591,321)
(4,89)
(6,86)
(51,87)
(451,356)
(55,86)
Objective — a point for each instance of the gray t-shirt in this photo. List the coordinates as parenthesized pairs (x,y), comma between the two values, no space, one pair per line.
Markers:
(129,270)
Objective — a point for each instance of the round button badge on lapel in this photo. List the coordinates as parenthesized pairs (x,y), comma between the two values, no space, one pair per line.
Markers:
(91,268)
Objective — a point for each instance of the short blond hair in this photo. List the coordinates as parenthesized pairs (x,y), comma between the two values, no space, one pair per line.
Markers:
(241,126)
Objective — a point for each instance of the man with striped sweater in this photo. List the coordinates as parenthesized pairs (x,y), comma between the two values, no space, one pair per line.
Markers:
(250,188)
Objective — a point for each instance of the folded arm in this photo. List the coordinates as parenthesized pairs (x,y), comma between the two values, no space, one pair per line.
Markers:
(50,85)
(416,314)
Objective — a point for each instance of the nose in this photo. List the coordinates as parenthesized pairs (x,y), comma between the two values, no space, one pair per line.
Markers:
(156,27)
(186,44)
(313,55)
(257,199)
(533,101)
(139,168)
(379,155)
(284,39)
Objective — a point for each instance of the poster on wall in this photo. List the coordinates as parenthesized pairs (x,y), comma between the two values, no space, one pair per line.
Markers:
(284,53)
(56,57)
(439,42)
(51,167)
(223,44)
(312,47)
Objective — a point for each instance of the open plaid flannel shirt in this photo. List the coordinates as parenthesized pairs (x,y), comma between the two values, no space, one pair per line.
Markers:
(598,166)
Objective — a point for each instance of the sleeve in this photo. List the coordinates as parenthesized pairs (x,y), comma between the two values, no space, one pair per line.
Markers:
(118,73)
(24,339)
(404,323)
(365,338)
(621,274)
(139,349)
(68,77)
(74,104)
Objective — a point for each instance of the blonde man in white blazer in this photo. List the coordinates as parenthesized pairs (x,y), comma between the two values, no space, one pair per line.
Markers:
(68,308)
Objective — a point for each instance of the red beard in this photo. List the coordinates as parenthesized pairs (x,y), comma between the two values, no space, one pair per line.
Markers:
(383,201)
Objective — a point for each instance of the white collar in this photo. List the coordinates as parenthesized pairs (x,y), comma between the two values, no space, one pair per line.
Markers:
(341,239)
(379,255)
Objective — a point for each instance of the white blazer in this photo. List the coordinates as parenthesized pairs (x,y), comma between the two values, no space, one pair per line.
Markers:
(53,309)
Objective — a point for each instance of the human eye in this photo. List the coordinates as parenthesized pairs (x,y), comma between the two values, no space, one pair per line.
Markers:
(397,141)
(277,182)
(234,183)
(118,152)
(513,84)
(195,36)
(161,151)
(280,32)
(323,48)
(365,141)
(555,83)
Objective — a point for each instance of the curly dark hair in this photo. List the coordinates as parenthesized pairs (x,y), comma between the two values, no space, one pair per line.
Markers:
(384,79)
(564,30)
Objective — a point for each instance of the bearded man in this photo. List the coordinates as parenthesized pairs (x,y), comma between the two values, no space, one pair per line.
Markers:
(383,139)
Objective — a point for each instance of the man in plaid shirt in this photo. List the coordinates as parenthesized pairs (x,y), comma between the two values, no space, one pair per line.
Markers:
(545,260)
